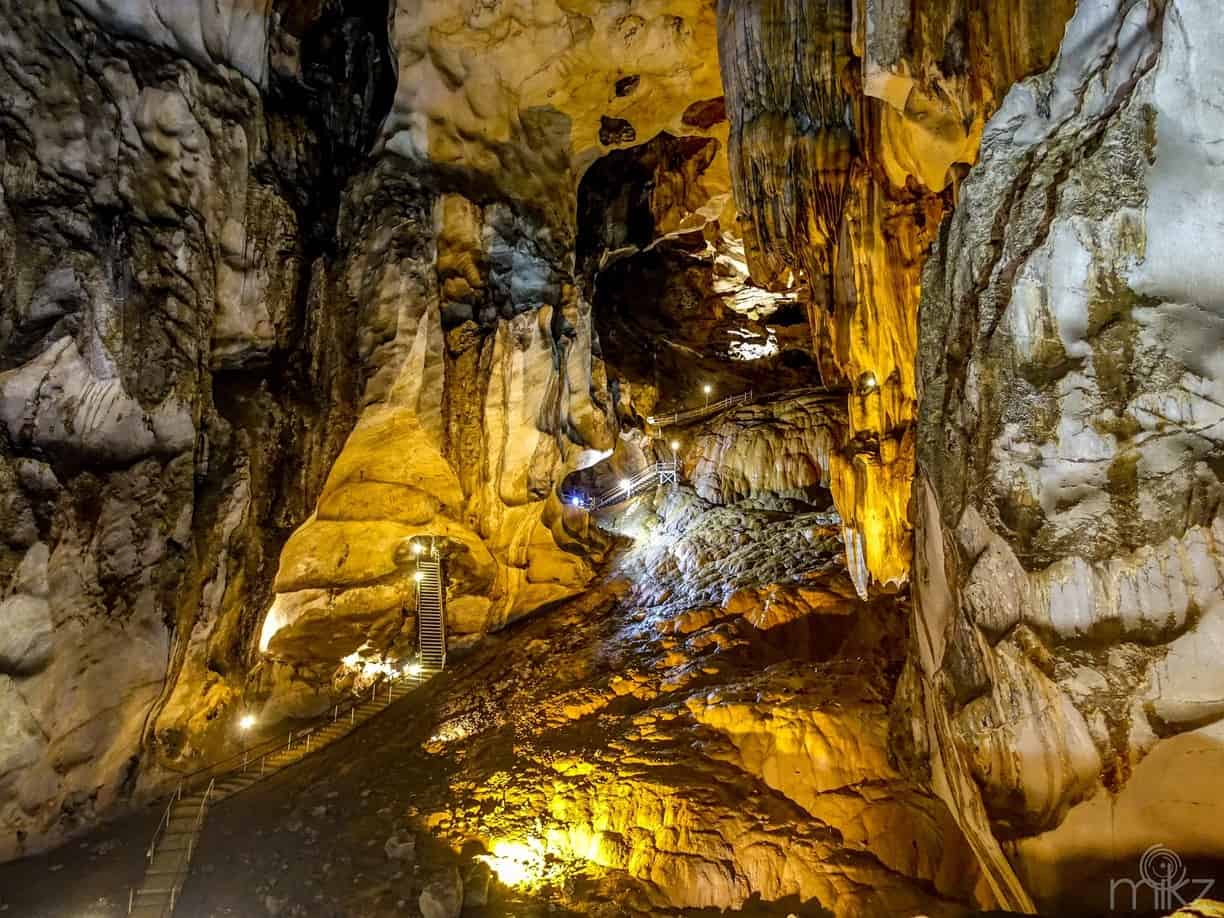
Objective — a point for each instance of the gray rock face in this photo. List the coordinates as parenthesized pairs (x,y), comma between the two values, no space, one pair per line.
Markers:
(1071,440)
(160,290)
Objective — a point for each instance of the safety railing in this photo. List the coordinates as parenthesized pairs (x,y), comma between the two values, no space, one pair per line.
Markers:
(431,615)
(241,762)
(183,864)
(692,414)
(165,821)
(660,472)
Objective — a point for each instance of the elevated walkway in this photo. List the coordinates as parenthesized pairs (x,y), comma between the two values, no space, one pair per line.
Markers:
(693,414)
(659,473)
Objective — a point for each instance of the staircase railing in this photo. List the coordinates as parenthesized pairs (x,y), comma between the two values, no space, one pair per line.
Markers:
(679,417)
(183,866)
(165,821)
(431,614)
(664,472)
(248,758)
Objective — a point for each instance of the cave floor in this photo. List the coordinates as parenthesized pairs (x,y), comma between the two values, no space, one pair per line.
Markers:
(594,732)
(88,877)
(622,734)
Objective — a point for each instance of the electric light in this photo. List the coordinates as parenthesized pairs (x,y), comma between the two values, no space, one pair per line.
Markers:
(867,383)
(417,548)
(247,721)
(413,669)
(418,576)
(707,389)
(626,484)
(576,501)
(675,445)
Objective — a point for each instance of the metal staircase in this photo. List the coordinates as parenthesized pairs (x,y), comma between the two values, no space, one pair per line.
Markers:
(431,615)
(170,853)
(178,833)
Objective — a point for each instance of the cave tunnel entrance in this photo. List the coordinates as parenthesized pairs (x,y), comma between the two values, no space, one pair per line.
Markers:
(666,272)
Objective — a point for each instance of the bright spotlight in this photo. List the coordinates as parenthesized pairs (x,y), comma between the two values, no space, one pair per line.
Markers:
(675,445)
(626,484)
(247,721)
(417,548)
(707,388)
(576,501)
(516,863)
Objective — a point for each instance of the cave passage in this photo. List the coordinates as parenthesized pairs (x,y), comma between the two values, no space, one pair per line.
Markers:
(670,458)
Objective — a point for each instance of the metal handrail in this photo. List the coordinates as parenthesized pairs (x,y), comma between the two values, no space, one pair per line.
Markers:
(165,821)
(180,872)
(677,417)
(646,476)
(188,781)
(272,745)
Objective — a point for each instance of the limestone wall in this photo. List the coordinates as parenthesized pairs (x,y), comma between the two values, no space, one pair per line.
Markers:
(1068,501)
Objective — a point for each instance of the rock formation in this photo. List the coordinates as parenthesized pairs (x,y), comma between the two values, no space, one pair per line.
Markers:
(850,123)
(1066,511)
(290,291)
(174,380)
(247,363)
(1068,498)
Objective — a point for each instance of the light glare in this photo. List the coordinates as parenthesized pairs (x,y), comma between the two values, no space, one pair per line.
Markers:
(516,863)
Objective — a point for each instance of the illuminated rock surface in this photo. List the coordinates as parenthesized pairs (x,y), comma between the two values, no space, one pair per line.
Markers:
(644,749)
(1068,621)
(289,290)
(850,125)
